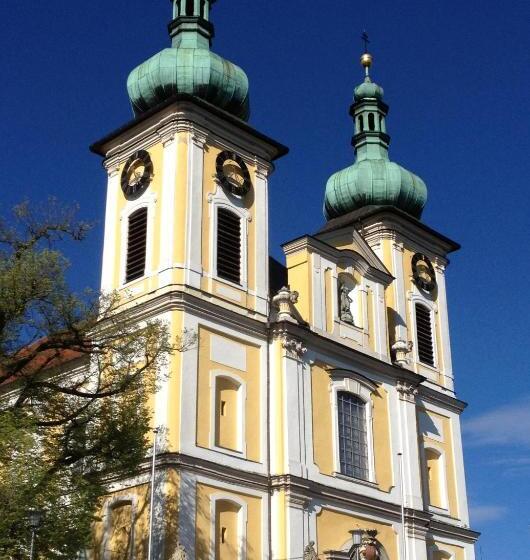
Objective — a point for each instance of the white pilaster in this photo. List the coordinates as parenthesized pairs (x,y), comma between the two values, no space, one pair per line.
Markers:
(412,480)
(261,189)
(297,526)
(461,491)
(196,142)
(443,318)
(110,251)
(294,406)
(399,292)
(167,210)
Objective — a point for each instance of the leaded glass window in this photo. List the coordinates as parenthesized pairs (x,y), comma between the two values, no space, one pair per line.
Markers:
(353,437)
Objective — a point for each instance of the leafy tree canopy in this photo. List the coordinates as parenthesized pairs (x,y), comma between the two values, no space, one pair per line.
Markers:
(76,373)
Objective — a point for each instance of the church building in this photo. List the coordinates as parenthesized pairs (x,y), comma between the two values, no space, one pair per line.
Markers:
(316,417)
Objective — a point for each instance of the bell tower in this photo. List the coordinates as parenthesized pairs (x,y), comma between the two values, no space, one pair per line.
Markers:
(188,177)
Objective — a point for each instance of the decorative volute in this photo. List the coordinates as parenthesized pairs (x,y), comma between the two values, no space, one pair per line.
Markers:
(373,179)
(190,67)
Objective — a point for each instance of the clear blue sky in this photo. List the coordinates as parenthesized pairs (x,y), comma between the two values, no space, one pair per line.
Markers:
(456,76)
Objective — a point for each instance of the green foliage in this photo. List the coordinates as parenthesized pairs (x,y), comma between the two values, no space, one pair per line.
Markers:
(76,373)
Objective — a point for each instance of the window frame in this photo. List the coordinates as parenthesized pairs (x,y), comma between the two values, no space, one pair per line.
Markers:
(111,504)
(215,375)
(433,309)
(362,388)
(148,201)
(220,199)
(444,498)
(241,521)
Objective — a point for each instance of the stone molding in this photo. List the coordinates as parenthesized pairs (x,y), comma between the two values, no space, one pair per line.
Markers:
(407,391)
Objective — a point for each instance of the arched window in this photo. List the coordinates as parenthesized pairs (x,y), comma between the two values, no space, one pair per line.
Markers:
(136,245)
(353,436)
(228,245)
(190,8)
(228,413)
(361,124)
(119,544)
(371,121)
(424,334)
(229,528)
(434,474)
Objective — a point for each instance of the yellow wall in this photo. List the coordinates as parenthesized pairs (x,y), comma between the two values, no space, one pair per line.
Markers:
(227,515)
(300,271)
(251,378)
(323,429)
(333,531)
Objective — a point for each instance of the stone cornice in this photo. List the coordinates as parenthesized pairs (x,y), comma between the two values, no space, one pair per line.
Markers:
(373,268)
(173,115)
(445,400)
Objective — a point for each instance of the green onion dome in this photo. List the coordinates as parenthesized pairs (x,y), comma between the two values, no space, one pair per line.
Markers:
(373,179)
(377,182)
(190,67)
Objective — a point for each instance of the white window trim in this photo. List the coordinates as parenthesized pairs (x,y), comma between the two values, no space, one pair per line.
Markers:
(148,200)
(219,199)
(434,548)
(109,506)
(361,389)
(428,446)
(242,517)
(433,308)
(241,451)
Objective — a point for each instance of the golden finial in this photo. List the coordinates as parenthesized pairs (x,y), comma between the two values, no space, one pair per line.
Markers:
(366,58)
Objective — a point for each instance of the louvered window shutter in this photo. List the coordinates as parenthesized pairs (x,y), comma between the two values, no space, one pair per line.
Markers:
(228,245)
(136,245)
(424,334)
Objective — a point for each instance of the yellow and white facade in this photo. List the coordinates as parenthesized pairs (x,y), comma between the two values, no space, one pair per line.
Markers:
(251,461)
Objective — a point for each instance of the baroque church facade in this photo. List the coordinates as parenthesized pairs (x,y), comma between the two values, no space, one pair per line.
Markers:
(316,417)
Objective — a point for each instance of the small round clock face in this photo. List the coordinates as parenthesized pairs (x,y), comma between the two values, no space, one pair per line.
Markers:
(423,273)
(137,174)
(233,174)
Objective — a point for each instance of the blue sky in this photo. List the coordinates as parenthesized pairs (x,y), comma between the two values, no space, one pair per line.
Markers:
(456,77)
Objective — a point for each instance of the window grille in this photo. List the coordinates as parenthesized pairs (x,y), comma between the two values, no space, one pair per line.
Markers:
(353,437)
(424,334)
(228,245)
(136,245)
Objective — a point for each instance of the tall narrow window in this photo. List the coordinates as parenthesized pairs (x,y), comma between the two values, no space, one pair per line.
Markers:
(190,7)
(228,245)
(424,334)
(371,121)
(136,245)
(227,413)
(121,530)
(353,436)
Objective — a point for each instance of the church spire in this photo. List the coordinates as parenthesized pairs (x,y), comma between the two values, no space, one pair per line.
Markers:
(190,67)
(373,180)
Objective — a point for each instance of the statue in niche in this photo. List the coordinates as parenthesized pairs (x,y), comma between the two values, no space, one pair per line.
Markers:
(345,302)
(310,552)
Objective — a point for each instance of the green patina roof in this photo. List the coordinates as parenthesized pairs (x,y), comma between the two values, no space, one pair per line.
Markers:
(374,182)
(373,179)
(190,67)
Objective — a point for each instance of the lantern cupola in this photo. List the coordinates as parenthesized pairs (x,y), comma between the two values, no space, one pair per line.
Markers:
(189,66)
(373,179)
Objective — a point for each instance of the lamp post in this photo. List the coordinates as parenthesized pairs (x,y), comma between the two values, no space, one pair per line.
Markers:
(34,520)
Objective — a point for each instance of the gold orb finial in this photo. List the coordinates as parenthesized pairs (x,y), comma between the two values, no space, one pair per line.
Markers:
(367,60)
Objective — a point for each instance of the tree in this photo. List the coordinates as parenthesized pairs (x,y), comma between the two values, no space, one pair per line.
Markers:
(76,373)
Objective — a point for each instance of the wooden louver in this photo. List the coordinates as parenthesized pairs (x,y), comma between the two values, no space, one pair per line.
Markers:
(228,246)
(424,335)
(136,245)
